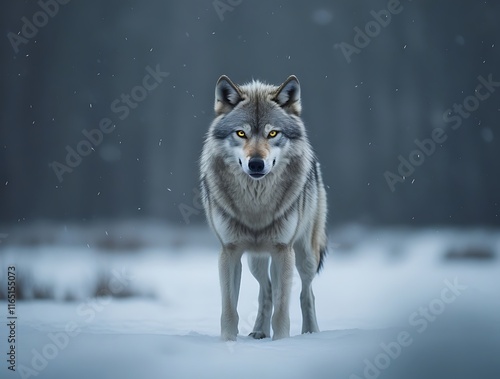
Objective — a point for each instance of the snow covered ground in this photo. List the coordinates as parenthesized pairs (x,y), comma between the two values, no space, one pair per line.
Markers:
(390,304)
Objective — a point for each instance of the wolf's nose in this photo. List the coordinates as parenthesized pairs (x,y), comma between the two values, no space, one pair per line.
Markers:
(256,165)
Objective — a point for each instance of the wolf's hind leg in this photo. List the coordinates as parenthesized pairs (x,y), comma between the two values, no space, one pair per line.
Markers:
(259,267)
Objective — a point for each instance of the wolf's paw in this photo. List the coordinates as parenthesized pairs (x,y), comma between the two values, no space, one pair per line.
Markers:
(257,335)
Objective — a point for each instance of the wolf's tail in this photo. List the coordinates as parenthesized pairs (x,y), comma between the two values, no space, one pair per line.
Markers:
(322,254)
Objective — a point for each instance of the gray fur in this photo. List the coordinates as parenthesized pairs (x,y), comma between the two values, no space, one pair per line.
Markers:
(279,213)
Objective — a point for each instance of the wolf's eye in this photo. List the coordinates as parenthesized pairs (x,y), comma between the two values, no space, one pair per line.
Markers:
(241,134)
(272,134)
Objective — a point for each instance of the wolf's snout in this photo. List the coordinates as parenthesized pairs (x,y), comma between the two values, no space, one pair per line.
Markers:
(256,165)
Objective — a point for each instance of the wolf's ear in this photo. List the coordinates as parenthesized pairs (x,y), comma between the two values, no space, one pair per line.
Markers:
(227,95)
(288,95)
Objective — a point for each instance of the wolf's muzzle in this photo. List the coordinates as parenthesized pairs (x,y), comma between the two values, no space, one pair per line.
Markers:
(256,167)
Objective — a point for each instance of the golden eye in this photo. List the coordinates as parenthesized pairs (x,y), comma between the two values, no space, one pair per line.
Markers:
(272,134)
(241,133)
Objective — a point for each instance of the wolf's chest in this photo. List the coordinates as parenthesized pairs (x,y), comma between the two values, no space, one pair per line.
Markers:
(256,229)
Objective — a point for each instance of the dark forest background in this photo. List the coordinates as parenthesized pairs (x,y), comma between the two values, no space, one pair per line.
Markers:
(361,115)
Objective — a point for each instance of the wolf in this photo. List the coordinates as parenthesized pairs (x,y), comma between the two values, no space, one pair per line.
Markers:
(263,194)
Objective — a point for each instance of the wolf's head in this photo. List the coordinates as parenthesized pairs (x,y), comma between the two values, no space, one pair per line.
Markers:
(258,124)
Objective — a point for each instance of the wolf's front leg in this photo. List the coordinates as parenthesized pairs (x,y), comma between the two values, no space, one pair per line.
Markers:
(230,278)
(282,265)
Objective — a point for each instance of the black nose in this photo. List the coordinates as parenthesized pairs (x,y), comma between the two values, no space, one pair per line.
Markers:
(256,165)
